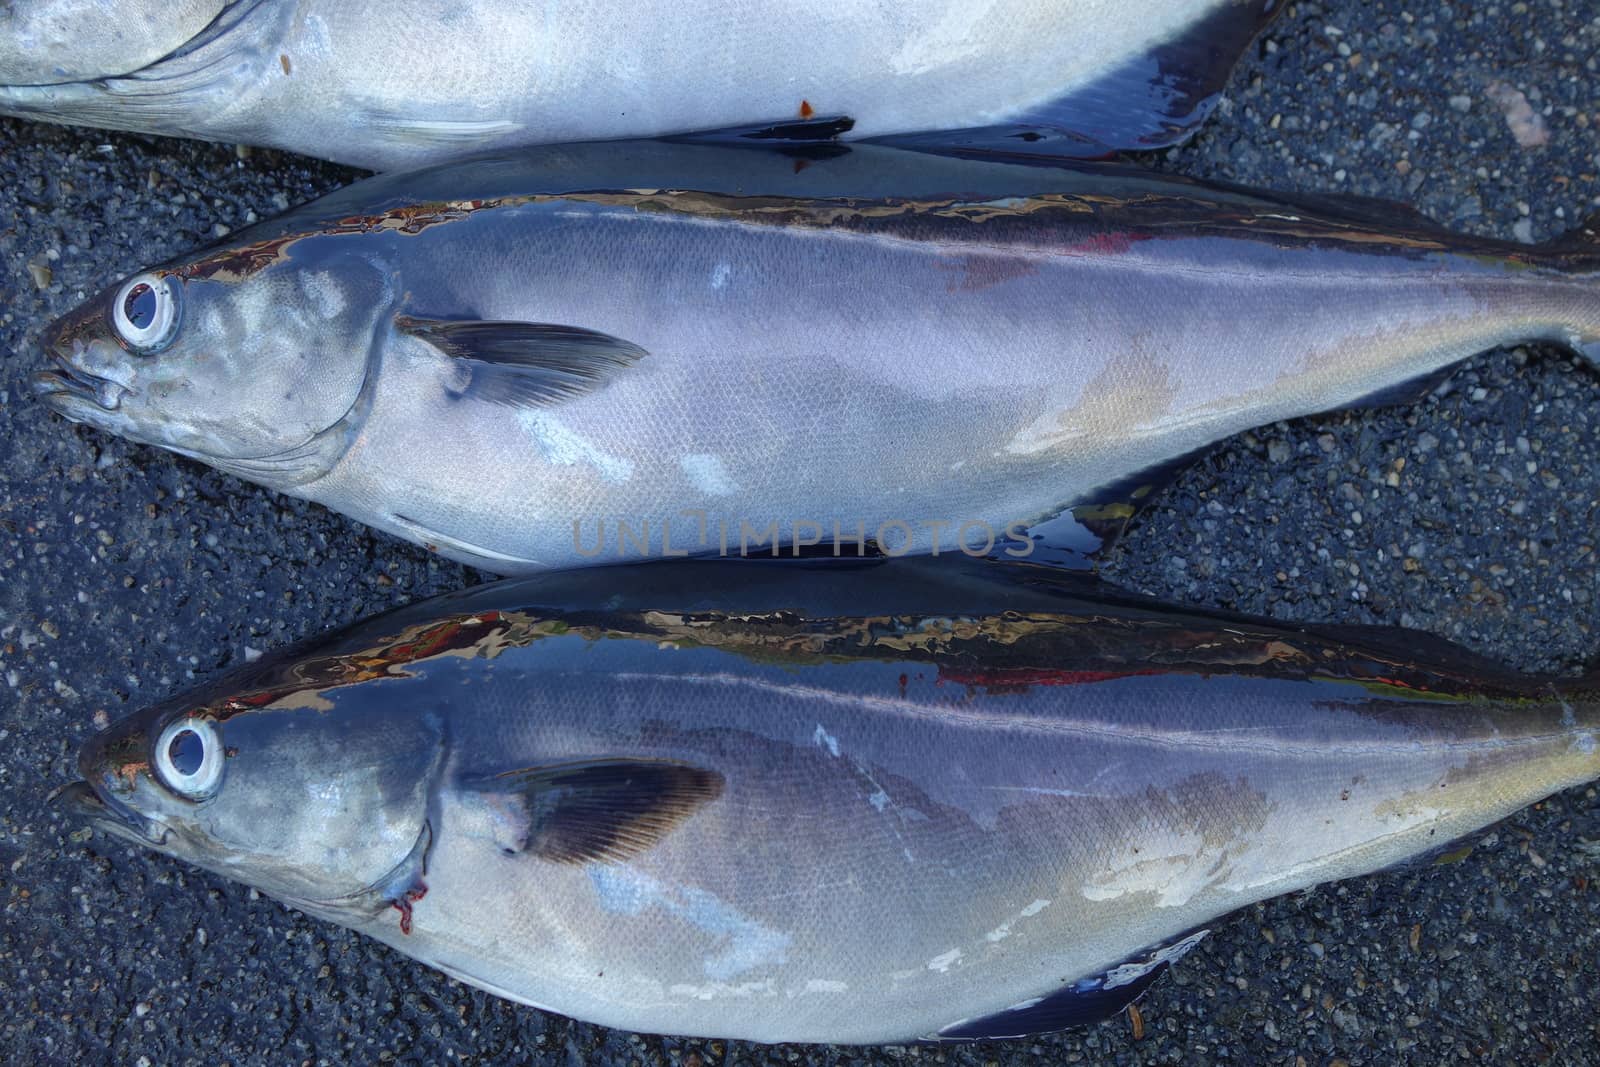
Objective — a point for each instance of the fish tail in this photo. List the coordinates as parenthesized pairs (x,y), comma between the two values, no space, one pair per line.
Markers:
(1580,701)
(1577,252)
(1574,756)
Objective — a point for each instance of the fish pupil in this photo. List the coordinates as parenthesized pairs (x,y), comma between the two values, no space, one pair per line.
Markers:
(187,751)
(139,306)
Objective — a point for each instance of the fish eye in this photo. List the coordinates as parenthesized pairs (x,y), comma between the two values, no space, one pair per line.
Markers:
(188,757)
(145,313)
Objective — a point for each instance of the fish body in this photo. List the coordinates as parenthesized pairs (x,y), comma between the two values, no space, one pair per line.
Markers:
(323,77)
(927,799)
(593,353)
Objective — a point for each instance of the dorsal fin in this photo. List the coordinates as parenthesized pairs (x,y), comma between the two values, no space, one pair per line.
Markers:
(1402,642)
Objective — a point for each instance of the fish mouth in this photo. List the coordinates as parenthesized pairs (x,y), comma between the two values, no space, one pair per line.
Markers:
(107,813)
(67,387)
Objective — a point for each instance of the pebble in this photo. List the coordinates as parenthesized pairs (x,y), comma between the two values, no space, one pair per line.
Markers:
(1527,125)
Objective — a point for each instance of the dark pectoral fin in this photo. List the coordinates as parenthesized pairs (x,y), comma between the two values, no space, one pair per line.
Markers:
(524,364)
(597,811)
(1080,1003)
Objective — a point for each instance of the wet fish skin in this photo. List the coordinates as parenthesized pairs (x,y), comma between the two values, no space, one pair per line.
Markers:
(57,41)
(928,791)
(859,337)
(314,76)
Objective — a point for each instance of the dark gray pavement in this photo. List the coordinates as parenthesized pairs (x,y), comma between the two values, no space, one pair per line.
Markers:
(127,574)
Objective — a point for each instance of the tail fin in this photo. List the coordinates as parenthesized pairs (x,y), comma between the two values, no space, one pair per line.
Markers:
(1578,252)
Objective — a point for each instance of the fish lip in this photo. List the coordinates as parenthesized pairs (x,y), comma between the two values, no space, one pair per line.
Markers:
(66,381)
(106,812)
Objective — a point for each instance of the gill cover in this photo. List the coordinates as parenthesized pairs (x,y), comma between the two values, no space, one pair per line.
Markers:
(46,42)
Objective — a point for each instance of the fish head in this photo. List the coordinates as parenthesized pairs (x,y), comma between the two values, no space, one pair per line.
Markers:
(259,372)
(316,804)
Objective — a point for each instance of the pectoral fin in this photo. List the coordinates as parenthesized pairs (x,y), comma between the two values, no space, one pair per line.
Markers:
(525,364)
(595,811)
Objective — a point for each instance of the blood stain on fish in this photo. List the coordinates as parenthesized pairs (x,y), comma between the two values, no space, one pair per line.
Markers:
(981,272)
(403,906)
(806,110)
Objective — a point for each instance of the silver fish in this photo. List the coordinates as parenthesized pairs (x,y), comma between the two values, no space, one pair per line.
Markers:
(408,82)
(592,353)
(922,800)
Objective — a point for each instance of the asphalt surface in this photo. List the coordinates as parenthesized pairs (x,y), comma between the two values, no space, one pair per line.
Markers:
(127,574)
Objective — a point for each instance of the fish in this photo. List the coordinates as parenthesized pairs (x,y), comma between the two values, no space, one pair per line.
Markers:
(602,352)
(317,77)
(908,800)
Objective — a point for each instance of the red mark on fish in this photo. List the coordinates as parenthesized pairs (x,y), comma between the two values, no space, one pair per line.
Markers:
(403,905)
(1109,243)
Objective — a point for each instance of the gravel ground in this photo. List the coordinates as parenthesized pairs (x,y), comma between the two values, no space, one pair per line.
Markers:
(129,574)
